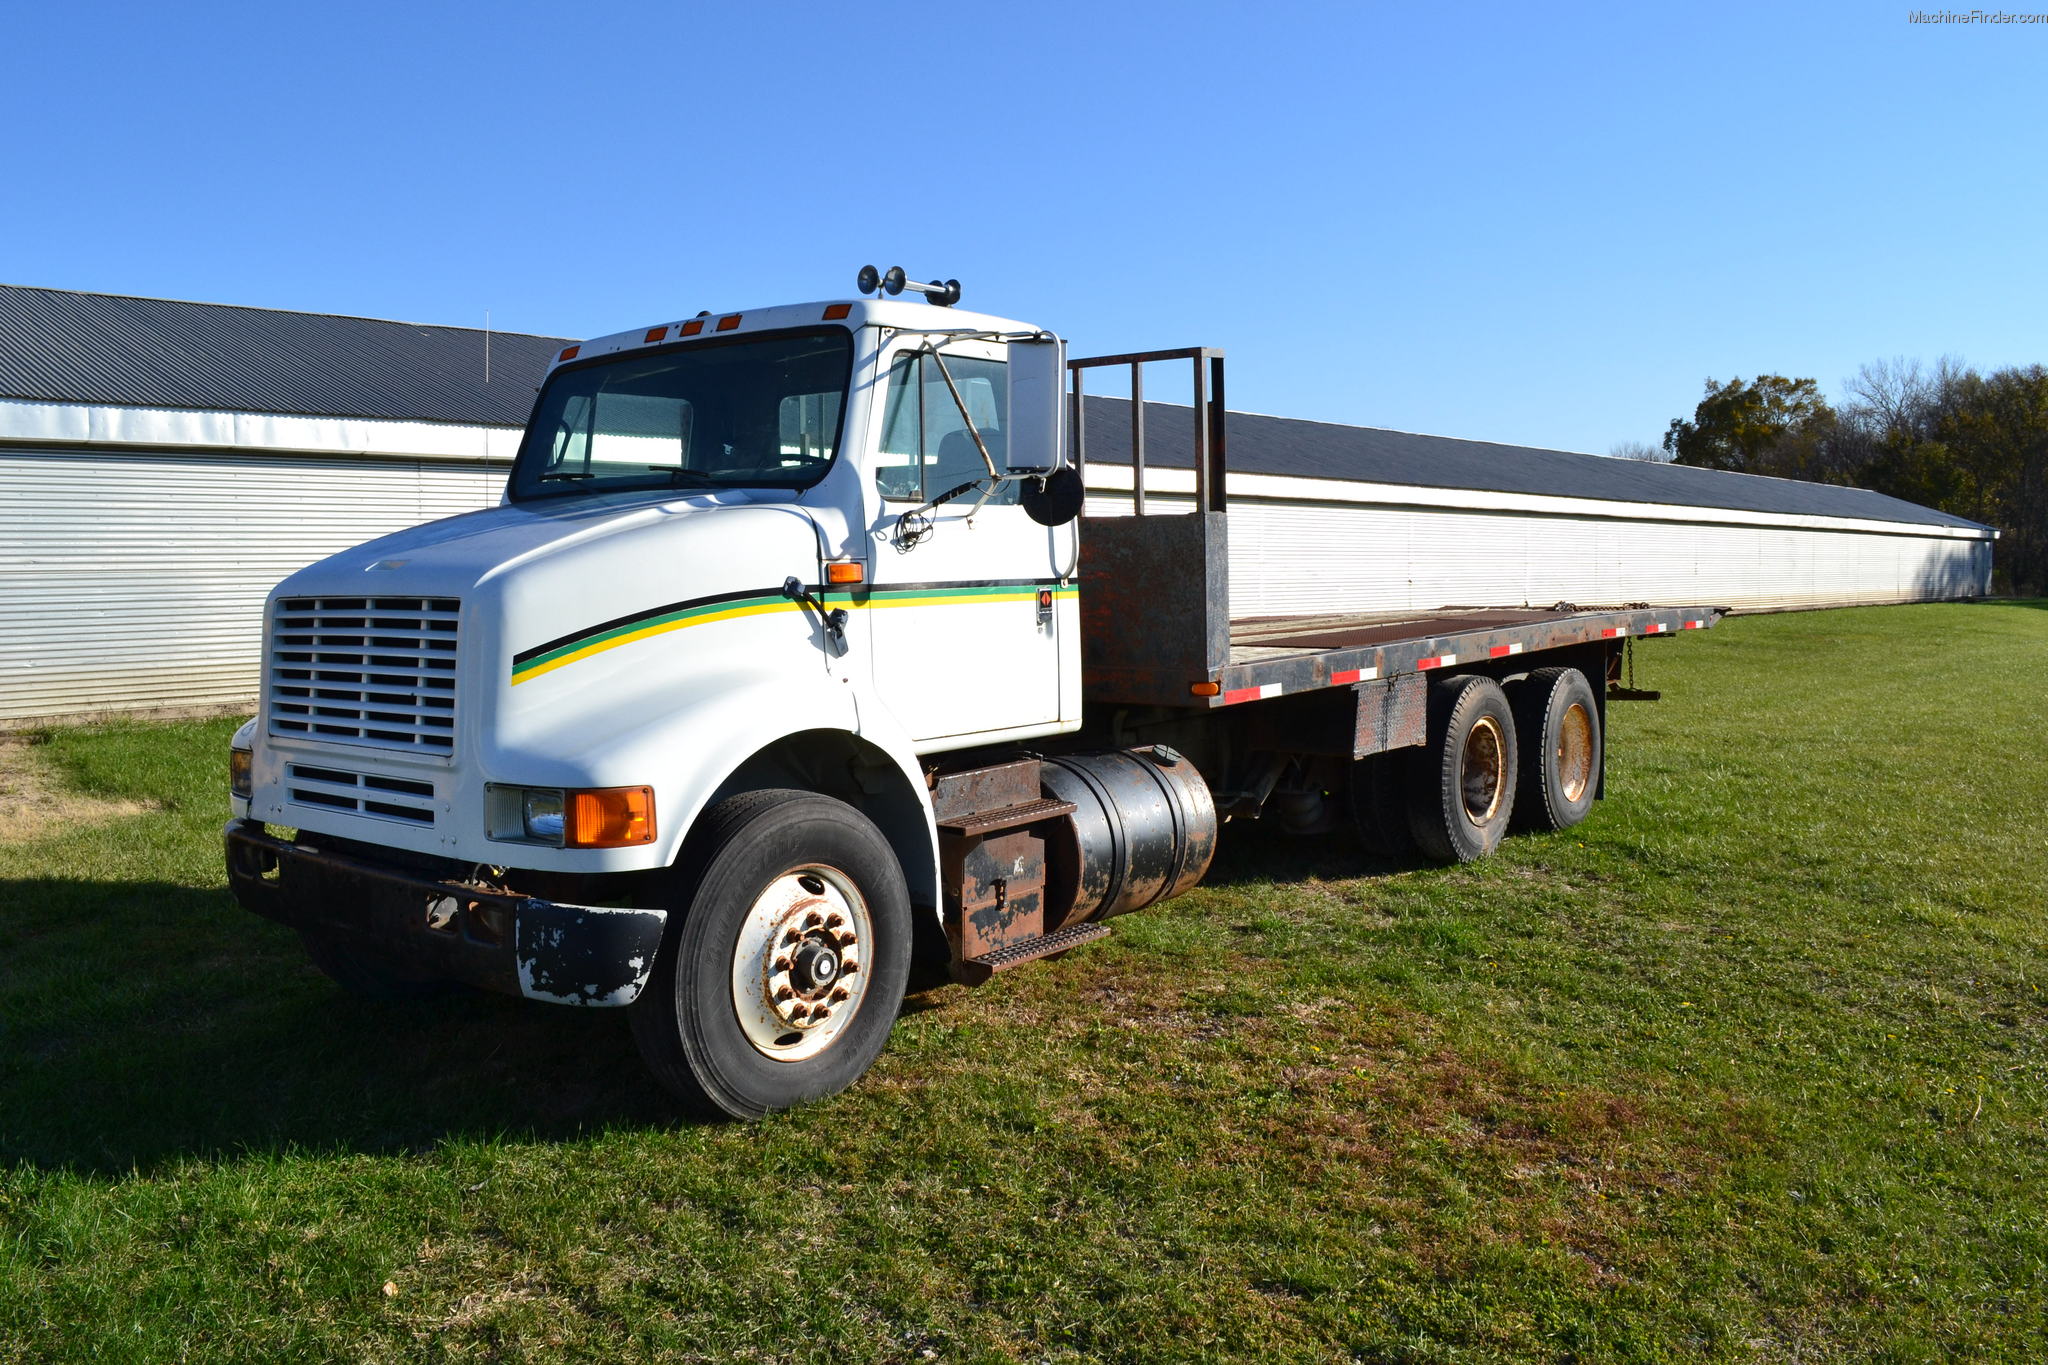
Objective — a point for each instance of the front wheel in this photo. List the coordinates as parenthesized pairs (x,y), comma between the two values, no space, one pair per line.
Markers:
(784,976)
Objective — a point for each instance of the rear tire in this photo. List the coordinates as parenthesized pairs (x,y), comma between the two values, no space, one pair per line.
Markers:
(784,975)
(1462,784)
(1558,718)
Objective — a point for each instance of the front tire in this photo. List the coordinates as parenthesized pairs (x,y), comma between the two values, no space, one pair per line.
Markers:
(784,977)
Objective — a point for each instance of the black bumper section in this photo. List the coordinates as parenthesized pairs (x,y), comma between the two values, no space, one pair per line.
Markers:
(564,954)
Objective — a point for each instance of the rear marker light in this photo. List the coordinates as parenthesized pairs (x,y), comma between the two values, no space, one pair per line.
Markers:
(655,334)
(569,352)
(1207,689)
(690,329)
(728,322)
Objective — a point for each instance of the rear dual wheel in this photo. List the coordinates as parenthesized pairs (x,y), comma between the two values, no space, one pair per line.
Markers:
(785,962)
(1559,720)
(1461,785)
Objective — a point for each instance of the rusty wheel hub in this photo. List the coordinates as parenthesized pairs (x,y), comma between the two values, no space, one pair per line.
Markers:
(797,974)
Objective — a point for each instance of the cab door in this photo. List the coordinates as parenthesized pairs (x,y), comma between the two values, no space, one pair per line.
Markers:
(970,603)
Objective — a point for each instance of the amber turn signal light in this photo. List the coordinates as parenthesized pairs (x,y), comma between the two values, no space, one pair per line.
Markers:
(1206,689)
(609,817)
(846,571)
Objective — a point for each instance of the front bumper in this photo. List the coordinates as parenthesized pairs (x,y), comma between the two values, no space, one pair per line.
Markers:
(543,950)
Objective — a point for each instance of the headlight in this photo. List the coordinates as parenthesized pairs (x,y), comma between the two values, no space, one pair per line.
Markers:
(585,817)
(540,815)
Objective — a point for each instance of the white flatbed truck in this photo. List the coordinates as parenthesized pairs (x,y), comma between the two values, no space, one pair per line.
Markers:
(788,677)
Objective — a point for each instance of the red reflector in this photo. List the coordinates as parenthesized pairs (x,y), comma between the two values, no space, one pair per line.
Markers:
(728,322)
(569,352)
(691,328)
(1045,597)
(655,334)
(836,311)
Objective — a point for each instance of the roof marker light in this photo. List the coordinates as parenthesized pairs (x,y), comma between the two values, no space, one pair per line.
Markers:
(568,353)
(691,328)
(655,334)
(728,322)
(836,311)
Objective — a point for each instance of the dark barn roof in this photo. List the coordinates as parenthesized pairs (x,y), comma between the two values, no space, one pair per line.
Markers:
(1326,450)
(60,346)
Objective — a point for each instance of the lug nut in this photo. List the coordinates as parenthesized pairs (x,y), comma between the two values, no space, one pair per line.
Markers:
(784,993)
(792,937)
(839,993)
(834,921)
(783,964)
(813,920)
(845,940)
(819,1014)
(799,1010)
(847,966)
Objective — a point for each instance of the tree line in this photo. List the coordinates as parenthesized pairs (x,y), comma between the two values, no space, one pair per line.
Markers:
(1975,445)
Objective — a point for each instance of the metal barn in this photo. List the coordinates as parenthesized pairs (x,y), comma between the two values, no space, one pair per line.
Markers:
(164,464)
(1374,520)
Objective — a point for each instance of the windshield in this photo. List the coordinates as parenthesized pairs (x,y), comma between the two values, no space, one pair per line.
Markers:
(754,412)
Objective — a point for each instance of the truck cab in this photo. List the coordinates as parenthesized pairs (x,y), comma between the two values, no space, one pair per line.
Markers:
(789,549)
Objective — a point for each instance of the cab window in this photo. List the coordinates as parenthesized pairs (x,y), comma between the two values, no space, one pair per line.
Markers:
(926,447)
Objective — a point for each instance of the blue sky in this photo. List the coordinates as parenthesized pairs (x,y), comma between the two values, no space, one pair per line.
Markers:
(1524,223)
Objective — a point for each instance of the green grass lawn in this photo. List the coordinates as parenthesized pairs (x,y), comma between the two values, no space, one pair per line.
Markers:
(1747,1067)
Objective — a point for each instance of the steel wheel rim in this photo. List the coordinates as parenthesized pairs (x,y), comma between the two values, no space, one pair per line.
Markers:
(1480,770)
(800,965)
(1575,751)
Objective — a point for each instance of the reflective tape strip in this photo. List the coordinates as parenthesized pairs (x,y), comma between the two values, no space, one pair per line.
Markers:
(1609,632)
(1655,628)
(1353,675)
(1694,625)
(1258,693)
(1438,662)
(1502,651)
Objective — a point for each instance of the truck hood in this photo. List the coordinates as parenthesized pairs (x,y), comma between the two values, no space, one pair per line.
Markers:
(453,556)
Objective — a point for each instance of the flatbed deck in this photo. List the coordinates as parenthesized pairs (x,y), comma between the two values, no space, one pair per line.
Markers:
(1271,656)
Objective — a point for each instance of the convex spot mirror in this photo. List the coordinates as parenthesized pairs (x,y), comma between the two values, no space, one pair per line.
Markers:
(1053,500)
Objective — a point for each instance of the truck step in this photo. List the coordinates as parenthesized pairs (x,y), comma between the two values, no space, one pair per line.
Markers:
(1008,817)
(979,969)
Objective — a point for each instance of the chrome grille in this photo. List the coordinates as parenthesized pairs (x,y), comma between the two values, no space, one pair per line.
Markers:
(377,671)
(387,798)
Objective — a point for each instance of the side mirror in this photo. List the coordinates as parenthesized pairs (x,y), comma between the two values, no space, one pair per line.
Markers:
(1038,405)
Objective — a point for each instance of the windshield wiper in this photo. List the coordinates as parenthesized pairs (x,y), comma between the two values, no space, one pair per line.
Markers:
(565,474)
(677,475)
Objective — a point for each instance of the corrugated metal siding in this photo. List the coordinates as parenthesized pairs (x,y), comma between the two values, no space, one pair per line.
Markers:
(133,580)
(1290,558)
